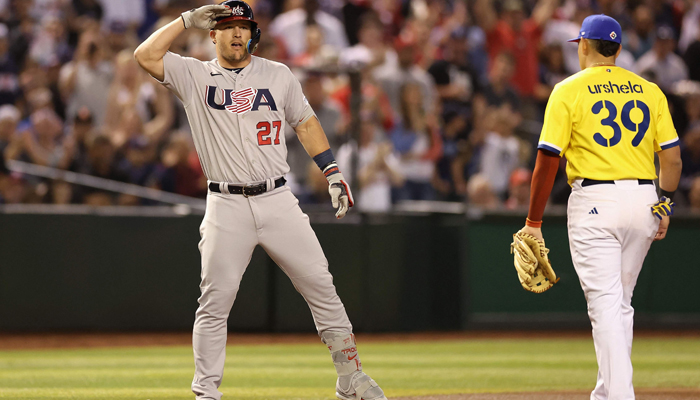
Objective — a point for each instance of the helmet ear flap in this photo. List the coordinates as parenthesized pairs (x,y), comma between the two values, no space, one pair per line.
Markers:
(252,44)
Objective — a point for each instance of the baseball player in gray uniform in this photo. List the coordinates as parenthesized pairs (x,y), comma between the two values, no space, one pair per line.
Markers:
(238,106)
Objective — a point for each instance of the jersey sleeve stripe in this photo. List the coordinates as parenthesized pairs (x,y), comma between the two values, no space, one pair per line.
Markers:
(671,143)
(549,147)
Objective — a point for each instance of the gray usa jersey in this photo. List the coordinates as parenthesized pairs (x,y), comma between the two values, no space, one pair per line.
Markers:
(238,120)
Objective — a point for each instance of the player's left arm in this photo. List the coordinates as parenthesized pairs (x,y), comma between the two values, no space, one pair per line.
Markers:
(667,146)
(315,142)
(670,166)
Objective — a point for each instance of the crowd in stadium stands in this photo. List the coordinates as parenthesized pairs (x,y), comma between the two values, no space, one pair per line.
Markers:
(453,93)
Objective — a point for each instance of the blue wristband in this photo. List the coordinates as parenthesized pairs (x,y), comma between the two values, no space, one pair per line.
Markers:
(324,158)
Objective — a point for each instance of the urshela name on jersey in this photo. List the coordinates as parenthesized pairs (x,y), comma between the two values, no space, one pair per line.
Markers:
(240,101)
(615,88)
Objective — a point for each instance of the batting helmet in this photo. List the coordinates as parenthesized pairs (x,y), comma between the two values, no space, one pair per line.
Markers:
(240,10)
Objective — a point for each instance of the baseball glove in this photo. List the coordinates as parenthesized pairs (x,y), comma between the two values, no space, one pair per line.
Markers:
(531,262)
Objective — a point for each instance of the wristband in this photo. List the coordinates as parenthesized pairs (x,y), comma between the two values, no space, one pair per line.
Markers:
(533,224)
(326,162)
(324,158)
(667,194)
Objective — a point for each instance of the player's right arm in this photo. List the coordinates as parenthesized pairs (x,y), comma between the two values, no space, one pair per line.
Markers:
(150,53)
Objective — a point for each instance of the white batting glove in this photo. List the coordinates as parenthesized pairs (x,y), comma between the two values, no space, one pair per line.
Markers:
(204,16)
(338,187)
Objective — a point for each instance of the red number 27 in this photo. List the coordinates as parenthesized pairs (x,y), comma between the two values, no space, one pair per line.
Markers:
(264,131)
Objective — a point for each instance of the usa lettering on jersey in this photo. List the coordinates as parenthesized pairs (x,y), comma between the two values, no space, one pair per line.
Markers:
(240,101)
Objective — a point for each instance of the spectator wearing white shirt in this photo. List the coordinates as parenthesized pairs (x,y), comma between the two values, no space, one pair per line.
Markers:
(290,28)
(85,80)
(500,153)
(378,169)
(131,13)
(661,64)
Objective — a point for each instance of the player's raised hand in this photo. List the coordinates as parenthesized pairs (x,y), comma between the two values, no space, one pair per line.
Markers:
(204,17)
(338,187)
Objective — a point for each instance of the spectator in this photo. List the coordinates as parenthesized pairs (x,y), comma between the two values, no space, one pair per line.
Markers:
(500,153)
(290,28)
(690,155)
(640,38)
(180,175)
(80,133)
(454,125)
(50,46)
(407,70)
(519,189)
(9,83)
(694,195)
(690,28)
(4,178)
(480,194)
(687,116)
(139,167)
(102,163)
(666,66)
(85,80)
(130,126)
(130,13)
(417,140)
(691,55)
(498,90)
(43,143)
(133,90)
(317,54)
(516,34)
(552,71)
(9,117)
(378,169)
(374,100)
(373,43)
(559,31)
(329,114)
(455,79)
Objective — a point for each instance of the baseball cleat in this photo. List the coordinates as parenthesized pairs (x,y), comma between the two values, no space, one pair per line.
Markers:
(358,386)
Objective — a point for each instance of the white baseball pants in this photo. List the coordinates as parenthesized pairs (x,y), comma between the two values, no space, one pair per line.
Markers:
(610,230)
(233,225)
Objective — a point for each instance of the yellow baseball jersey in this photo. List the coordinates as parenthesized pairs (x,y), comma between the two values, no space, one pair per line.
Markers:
(607,122)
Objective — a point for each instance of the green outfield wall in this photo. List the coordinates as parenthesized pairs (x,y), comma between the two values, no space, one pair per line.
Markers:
(398,272)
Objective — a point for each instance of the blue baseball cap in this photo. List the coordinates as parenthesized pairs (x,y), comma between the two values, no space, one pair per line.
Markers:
(600,27)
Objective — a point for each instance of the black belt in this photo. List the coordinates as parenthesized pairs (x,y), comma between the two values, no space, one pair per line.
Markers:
(590,182)
(247,191)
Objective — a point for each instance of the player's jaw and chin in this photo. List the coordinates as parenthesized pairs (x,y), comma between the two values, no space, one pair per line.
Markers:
(225,39)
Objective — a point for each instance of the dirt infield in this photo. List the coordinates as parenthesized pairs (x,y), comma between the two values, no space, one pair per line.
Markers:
(641,394)
(23,341)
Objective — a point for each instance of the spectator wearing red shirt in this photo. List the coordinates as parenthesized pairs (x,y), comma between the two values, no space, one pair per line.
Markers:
(513,32)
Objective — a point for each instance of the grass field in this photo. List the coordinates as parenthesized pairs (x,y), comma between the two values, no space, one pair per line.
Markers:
(304,371)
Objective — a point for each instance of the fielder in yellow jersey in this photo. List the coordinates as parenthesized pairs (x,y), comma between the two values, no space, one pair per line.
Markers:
(608,123)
